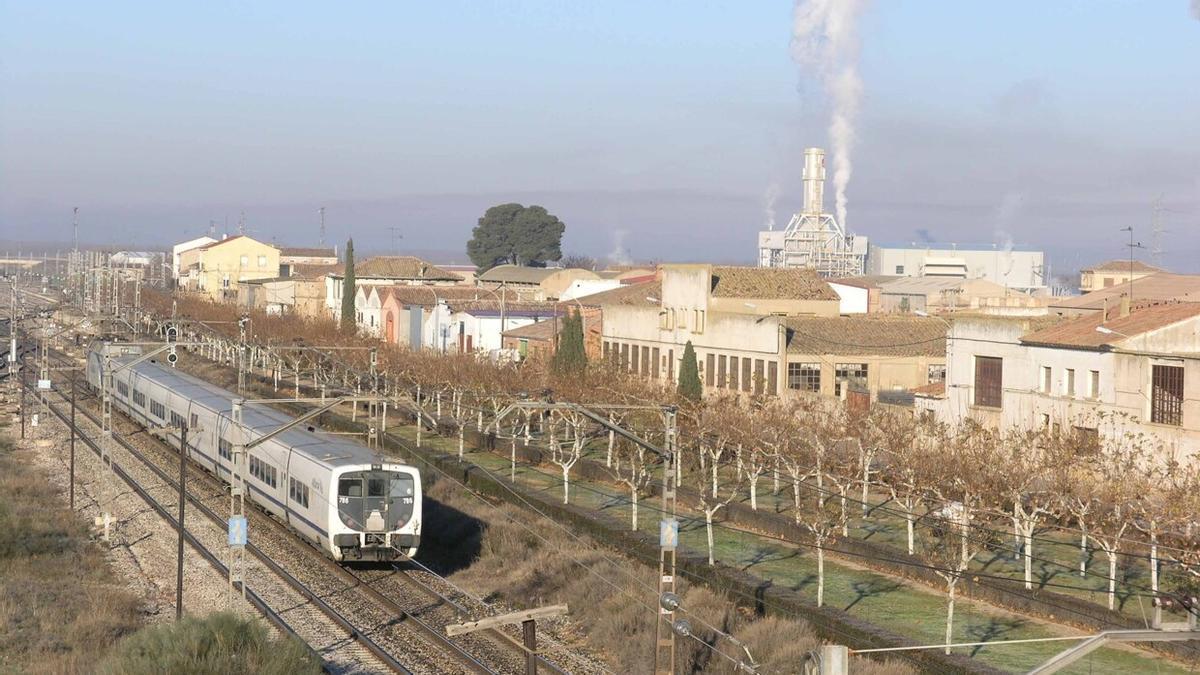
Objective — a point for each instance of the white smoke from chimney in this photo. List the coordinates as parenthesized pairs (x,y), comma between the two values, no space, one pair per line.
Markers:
(1196,9)
(620,254)
(825,37)
(769,198)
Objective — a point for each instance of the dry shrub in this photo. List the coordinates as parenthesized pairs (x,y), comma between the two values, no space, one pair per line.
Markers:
(60,605)
(221,642)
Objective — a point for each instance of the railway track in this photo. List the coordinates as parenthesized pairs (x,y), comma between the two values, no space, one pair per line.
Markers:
(283,600)
(401,613)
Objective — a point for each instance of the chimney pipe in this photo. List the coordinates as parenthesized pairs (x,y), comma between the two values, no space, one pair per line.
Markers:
(814,181)
(1124,305)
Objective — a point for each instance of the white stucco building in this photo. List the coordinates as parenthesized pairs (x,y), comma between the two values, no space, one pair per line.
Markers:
(1017,269)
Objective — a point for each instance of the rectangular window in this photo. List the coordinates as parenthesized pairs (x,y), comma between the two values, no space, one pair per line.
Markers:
(747,378)
(157,409)
(645,360)
(698,322)
(262,261)
(1166,398)
(654,362)
(760,376)
(721,371)
(899,269)
(176,420)
(195,422)
(636,358)
(1069,382)
(733,372)
(989,374)
(225,449)
(139,398)
(671,365)
(624,357)
(244,260)
(298,492)
(1093,384)
(804,376)
(773,378)
(1047,375)
(710,373)
(851,373)
(123,389)
(680,318)
(937,373)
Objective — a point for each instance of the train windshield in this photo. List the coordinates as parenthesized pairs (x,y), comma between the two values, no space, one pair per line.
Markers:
(376,501)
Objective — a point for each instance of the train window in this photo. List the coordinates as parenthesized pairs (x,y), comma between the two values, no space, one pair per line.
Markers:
(225,448)
(272,476)
(195,423)
(298,492)
(139,398)
(402,486)
(376,487)
(350,487)
(157,409)
(123,389)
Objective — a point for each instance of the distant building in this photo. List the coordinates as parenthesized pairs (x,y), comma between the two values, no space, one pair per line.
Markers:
(943,294)
(188,245)
(536,284)
(387,271)
(1105,374)
(291,256)
(1157,287)
(216,269)
(1113,273)
(538,340)
(1017,269)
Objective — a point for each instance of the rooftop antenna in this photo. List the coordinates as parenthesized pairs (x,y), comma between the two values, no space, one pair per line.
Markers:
(322,238)
(1131,246)
(212,228)
(242,222)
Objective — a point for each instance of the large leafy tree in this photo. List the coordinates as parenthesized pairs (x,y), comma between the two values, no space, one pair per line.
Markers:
(689,375)
(517,235)
(571,357)
(349,317)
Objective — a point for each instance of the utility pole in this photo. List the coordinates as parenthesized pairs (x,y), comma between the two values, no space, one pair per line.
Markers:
(237,504)
(74,383)
(528,620)
(666,628)
(1131,246)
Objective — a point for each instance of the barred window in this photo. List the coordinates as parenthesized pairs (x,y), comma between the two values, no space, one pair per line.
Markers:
(804,376)
(937,373)
(157,409)
(989,374)
(1166,399)
(176,419)
(139,398)
(123,389)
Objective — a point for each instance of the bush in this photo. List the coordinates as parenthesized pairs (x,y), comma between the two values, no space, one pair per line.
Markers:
(218,643)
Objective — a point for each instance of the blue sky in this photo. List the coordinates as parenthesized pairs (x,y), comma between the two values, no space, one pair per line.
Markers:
(653,127)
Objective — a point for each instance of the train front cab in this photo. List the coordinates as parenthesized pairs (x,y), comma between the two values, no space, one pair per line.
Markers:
(382,509)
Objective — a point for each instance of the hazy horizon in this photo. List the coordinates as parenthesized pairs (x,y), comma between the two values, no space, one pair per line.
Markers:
(660,131)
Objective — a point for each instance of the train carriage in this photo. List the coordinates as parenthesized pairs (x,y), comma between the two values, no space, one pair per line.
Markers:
(331,490)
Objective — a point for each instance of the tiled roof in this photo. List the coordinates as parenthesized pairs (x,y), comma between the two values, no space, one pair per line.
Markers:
(632,294)
(517,274)
(1082,333)
(869,281)
(400,267)
(769,283)
(882,335)
(301,252)
(1122,266)
(1161,286)
(425,296)
(314,271)
(544,330)
(510,308)
(226,240)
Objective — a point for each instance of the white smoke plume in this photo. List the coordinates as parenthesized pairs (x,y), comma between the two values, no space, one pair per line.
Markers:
(1196,9)
(1006,215)
(825,37)
(620,254)
(769,198)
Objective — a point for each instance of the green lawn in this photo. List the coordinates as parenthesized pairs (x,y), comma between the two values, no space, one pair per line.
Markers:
(903,607)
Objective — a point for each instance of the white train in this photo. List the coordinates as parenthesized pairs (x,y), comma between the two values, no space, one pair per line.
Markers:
(332,491)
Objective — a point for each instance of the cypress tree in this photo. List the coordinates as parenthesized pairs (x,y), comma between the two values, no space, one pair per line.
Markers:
(689,375)
(349,316)
(571,356)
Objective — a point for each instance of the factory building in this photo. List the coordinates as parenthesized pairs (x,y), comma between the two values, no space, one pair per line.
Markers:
(813,238)
(1021,270)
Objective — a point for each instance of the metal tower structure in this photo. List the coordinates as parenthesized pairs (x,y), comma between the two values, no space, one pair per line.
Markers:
(813,238)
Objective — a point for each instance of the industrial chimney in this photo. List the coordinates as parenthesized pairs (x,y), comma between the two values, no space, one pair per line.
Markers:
(814,181)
